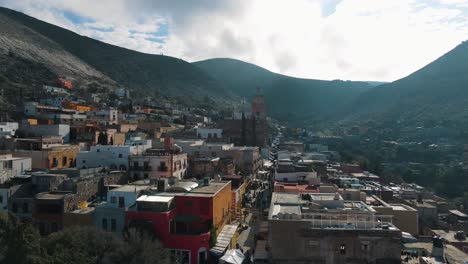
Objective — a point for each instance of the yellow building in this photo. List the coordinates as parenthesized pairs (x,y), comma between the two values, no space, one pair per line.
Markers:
(58,157)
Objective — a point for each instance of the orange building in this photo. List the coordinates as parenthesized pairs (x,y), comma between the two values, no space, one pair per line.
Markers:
(75,106)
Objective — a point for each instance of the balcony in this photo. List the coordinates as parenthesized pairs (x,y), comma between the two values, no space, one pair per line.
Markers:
(140,168)
(163,168)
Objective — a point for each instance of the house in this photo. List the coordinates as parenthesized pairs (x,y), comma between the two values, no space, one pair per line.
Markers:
(53,157)
(105,156)
(209,133)
(159,163)
(322,228)
(8,128)
(185,215)
(58,130)
(110,215)
(13,166)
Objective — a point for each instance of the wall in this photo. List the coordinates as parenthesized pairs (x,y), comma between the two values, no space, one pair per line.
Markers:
(154,162)
(114,157)
(296,242)
(222,204)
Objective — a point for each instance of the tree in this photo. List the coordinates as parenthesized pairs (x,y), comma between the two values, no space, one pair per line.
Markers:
(81,245)
(243,131)
(141,246)
(102,140)
(19,242)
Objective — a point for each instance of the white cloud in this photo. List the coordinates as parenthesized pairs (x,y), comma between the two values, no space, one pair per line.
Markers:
(361,40)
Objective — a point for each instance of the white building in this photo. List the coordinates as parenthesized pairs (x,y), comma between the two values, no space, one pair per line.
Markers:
(107,156)
(13,166)
(138,145)
(60,130)
(209,132)
(8,128)
(156,163)
(199,148)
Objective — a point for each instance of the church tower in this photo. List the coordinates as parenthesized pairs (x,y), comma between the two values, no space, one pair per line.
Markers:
(258,105)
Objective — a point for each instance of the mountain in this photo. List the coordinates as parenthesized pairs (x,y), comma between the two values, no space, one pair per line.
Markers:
(438,91)
(26,40)
(287,98)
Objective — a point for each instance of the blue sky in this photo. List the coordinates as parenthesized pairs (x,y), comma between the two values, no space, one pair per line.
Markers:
(381,40)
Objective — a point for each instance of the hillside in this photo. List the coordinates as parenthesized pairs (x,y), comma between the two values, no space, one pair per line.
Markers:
(64,52)
(288,98)
(436,91)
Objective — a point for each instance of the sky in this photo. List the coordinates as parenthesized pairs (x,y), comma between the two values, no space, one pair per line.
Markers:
(372,40)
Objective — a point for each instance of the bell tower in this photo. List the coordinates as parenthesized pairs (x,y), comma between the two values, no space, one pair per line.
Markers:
(258,105)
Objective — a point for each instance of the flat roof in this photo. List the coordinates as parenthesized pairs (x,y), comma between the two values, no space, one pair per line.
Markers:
(130,188)
(155,199)
(211,188)
(50,196)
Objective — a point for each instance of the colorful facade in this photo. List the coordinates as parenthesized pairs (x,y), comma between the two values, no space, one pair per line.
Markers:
(184,221)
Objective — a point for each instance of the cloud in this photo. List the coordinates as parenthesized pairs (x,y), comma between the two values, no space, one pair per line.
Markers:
(323,39)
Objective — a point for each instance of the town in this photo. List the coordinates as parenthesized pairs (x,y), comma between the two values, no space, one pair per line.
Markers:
(212,187)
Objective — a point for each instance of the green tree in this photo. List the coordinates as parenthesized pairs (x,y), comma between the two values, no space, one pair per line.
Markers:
(19,242)
(141,247)
(81,245)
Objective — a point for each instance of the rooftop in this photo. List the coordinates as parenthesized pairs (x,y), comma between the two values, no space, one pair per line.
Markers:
(155,199)
(130,188)
(51,196)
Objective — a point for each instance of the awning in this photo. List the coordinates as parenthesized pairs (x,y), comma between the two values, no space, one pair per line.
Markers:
(233,256)
(224,239)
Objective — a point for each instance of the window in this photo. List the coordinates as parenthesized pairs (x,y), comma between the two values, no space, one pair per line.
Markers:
(121,202)
(1,198)
(64,161)
(188,203)
(25,207)
(54,227)
(113,225)
(343,249)
(15,207)
(104,224)
(84,161)
(120,155)
(113,199)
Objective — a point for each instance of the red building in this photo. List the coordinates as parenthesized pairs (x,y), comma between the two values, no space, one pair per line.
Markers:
(184,215)
(64,83)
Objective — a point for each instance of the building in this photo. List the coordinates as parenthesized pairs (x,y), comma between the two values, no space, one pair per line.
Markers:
(404,217)
(48,211)
(105,117)
(138,145)
(13,166)
(322,228)
(8,128)
(105,156)
(185,215)
(57,157)
(209,133)
(159,163)
(60,130)
(110,215)
(248,128)
(292,146)
(247,160)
